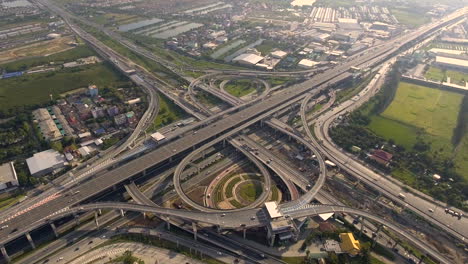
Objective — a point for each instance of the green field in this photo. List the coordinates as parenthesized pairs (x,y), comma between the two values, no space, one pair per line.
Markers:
(433,110)
(423,114)
(168,113)
(404,134)
(410,19)
(35,88)
(240,88)
(250,191)
(436,74)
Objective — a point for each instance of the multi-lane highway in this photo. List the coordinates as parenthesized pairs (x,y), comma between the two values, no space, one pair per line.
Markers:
(221,128)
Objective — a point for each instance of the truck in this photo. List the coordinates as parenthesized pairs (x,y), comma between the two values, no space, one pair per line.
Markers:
(401,196)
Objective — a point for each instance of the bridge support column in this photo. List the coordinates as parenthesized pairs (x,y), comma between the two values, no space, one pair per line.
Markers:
(194,227)
(54,228)
(362,226)
(28,236)
(5,254)
(77,219)
(224,143)
(122,212)
(114,188)
(272,240)
(144,215)
(96,219)
(99,212)
(218,229)
(244,233)
(168,223)
(143,173)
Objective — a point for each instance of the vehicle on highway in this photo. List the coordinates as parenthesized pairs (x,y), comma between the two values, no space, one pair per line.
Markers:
(431,210)
(401,196)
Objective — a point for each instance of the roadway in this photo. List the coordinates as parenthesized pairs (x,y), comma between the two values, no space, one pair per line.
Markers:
(169,150)
(386,185)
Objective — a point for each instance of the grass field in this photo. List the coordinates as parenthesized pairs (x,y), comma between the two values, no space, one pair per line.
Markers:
(436,74)
(240,88)
(42,48)
(461,157)
(35,88)
(403,134)
(168,113)
(425,114)
(250,191)
(408,18)
(433,110)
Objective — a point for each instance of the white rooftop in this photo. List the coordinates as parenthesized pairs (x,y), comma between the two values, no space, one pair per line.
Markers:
(44,160)
(248,58)
(447,51)
(452,61)
(279,54)
(272,209)
(347,20)
(158,136)
(7,173)
(305,63)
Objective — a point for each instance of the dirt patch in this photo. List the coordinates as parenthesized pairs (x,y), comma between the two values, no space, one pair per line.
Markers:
(43,48)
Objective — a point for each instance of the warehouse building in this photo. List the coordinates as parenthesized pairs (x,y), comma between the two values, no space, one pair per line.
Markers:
(248,59)
(8,177)
(452,63)
(45,162)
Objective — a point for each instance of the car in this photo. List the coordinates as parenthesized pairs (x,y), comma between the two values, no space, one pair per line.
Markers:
(223,215)
(431,210)
(3,227)
(219,253)
(76,249)
(252,218)
(90,242)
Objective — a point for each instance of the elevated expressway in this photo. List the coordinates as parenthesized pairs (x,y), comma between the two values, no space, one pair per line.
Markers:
(239,219)
(245,116)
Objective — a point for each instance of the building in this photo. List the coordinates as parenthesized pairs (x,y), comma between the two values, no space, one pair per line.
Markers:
(133,101)
(113,111)
(279,54)
(45,162)
(98,112)
(349,244)
(120,119)
(248,59)
(8,177)
(280,226)
(307,64)
(381,157)
(131,118)
(93,91)
(452,63)
(46,125)
(158,137)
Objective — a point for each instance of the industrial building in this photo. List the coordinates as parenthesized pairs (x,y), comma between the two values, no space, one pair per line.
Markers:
(248,59)
(45,162)
(8,177)
(452,63)
(307,64)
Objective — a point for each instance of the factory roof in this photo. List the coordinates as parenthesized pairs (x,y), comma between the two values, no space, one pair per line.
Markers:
(248,58)
(447,51)
(279,54)
(452,61)
(305,63)
(44,160)
(7,173)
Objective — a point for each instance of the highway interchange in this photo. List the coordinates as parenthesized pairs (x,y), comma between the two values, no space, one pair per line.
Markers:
(224,127)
